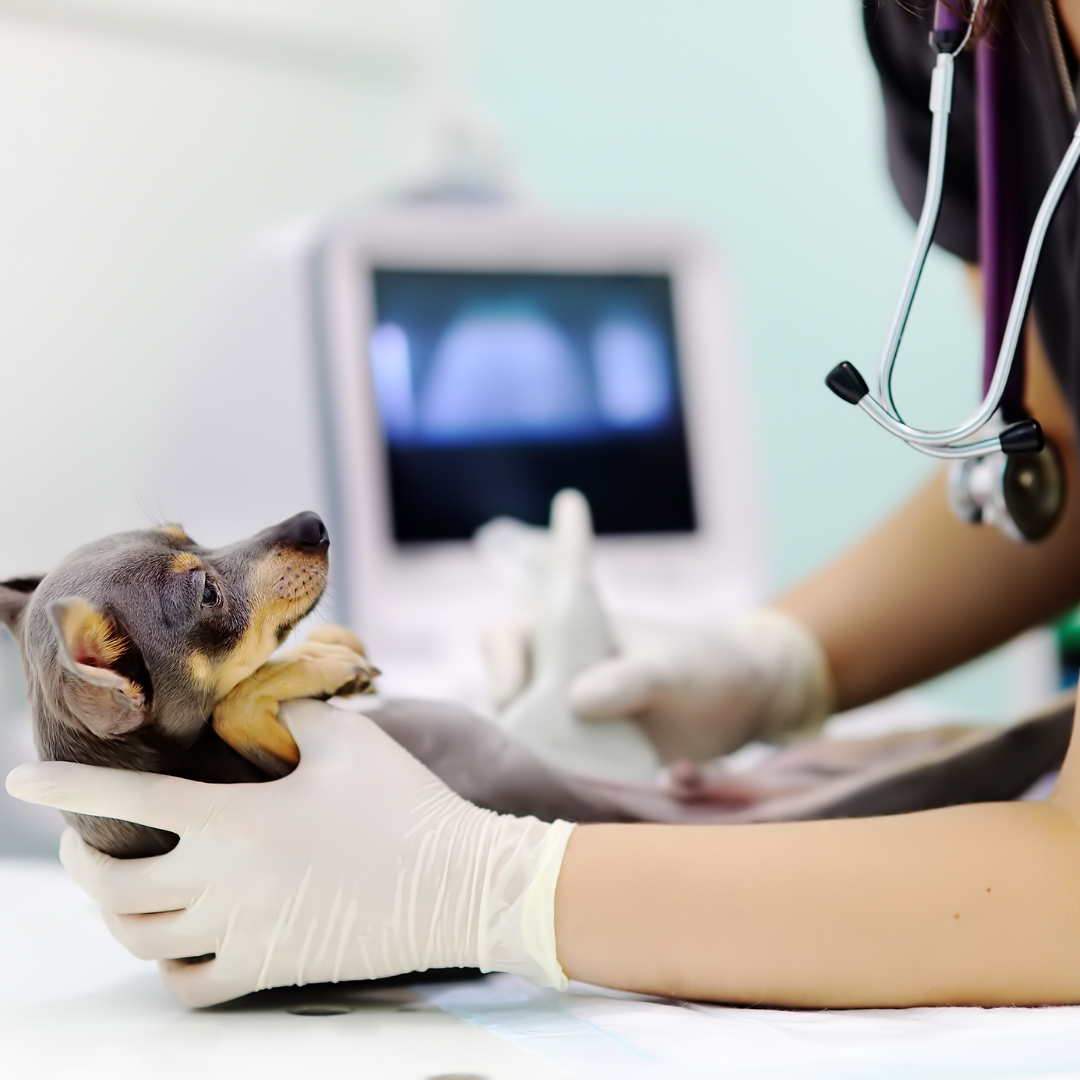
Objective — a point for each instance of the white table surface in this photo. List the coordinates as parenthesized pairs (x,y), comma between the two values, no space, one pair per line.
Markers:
(73,1003)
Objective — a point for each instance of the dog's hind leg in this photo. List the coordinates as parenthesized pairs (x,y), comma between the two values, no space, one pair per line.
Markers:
(247,717)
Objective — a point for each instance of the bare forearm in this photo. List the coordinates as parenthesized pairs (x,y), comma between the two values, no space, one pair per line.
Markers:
(926,592)
(968,905)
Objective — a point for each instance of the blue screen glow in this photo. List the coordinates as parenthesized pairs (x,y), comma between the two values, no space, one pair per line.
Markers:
(534,357)
(495,390)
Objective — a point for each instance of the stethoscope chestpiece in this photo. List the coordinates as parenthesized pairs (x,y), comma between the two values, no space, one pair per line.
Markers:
(1014,480)
(1022,494)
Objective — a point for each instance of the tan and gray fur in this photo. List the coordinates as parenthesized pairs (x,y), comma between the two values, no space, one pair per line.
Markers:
(147,651)
(134,642)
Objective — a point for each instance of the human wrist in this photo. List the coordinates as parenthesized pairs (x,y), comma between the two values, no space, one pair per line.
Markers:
(799,689)
(519,870)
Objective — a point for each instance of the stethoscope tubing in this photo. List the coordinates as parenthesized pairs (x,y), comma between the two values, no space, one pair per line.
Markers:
(949,443)
(940,105)
(947,440)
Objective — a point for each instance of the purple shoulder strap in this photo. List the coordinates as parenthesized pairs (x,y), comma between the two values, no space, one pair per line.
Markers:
(1001,249)
(1000,211)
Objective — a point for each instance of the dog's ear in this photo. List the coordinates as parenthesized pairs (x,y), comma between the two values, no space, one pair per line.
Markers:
(15,596)
(97,654)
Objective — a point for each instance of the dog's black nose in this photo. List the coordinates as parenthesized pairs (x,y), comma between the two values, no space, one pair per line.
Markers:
(305,532)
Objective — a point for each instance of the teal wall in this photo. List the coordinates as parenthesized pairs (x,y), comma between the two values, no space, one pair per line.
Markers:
(761,125)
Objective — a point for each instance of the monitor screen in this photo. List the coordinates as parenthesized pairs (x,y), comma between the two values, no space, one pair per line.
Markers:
(497,389)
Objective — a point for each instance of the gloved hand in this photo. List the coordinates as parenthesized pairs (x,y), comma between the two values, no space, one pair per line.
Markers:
(359,865)
(696,693)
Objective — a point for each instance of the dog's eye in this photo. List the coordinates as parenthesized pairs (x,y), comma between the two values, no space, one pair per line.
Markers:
(211,597)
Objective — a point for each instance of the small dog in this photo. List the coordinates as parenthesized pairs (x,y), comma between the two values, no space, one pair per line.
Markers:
(134,641)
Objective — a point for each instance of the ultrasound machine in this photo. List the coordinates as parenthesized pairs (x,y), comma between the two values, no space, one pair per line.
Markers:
(416,371)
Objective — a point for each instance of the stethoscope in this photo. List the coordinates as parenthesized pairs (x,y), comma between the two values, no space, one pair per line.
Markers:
(1012,479)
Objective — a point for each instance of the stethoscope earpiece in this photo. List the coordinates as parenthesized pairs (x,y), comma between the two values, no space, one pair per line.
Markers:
(1023,437)
(846,383)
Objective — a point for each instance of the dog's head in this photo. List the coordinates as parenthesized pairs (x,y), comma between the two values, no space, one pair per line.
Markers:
(148,628)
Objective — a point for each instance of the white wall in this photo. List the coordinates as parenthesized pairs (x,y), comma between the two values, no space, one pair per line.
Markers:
(140,144)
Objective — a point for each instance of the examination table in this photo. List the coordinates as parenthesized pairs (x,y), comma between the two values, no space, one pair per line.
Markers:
(75,1004)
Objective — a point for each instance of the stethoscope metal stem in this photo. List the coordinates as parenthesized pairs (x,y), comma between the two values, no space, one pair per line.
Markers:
(941,85)
(872,407)
(952,442)
(925,440)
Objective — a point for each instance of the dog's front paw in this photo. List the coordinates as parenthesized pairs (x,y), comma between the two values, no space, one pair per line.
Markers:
(329,664)
(320,670)
(326,643)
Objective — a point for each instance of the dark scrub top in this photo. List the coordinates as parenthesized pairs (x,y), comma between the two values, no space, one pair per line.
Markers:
(897,35)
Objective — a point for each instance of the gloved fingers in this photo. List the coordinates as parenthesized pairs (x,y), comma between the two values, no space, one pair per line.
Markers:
(339,741)
(169,935)
(614,689)
(507,652)
(162,802)
(121,886)
(200,985)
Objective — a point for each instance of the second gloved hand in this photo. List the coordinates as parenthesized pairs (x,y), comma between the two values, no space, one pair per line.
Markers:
(360,864)
(696,693)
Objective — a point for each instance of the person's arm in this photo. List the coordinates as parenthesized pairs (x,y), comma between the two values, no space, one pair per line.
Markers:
(382,870)
(972,905)
(926,592)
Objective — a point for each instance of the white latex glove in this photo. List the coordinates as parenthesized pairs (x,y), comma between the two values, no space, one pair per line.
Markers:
(360,864)
(696,693)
